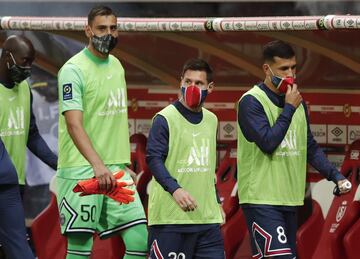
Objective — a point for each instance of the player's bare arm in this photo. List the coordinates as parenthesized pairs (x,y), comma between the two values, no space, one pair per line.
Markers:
(74,123)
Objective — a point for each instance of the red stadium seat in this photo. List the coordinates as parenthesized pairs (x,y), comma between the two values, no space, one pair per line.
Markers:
(226,182)
(46,235)
(234,232)
(139,166)
(309,233)
(319,238)
(110,248)
(343,213)
(244,251)
(138,152)
(235,229)
(352,237)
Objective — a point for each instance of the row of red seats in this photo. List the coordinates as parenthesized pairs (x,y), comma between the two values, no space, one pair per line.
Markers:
(333,229)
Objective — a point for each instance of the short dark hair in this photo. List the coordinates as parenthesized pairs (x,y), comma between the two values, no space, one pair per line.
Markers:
(198,64)
(99,11)
(277,48)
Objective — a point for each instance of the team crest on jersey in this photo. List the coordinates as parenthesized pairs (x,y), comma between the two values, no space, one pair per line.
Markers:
(67,92)
(62,219)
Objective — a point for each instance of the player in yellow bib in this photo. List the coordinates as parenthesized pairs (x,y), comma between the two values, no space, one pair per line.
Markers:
(274,145)
(18,130)
(184,212)
(94,141)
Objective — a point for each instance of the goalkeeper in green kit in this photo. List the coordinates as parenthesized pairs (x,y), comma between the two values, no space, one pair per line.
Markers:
(94,142)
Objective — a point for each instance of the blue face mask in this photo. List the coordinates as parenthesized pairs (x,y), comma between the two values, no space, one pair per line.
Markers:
(193,95)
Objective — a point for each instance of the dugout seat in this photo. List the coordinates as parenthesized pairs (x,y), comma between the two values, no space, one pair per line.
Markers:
(352,237)
(308,234)
(139,166)
(138,152)
(321,236)
(234,231)
(226,181)
(244,251)
(110,248)
(46,236)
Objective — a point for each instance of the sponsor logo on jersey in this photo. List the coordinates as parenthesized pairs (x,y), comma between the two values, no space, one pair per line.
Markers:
(15,123)
(288,146)
(197,160)
(116,103)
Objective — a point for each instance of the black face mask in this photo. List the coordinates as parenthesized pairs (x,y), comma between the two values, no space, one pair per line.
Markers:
(104,44)
(18,73)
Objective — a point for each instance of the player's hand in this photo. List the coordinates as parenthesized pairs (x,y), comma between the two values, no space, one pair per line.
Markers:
(344,186)
(184,200)
(106,179)
(293,96)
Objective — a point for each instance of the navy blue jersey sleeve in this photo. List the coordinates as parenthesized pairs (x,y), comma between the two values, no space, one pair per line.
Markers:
(316,157)
(255,125)
(36,143)
(156,152)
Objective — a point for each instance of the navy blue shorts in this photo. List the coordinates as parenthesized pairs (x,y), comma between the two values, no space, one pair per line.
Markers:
(272,230)
(207,244)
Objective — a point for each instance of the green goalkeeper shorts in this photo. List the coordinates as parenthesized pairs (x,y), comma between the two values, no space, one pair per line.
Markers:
(96,212)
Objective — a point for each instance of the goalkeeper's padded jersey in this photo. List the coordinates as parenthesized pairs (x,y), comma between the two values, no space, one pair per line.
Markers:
(191,161)
(278,178)
(96,87)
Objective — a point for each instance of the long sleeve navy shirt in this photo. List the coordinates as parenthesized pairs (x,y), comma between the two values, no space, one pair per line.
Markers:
(256,128)
(157,149)
(36,145)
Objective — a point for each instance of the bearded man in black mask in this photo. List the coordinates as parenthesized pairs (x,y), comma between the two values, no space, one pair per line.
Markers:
(18,130)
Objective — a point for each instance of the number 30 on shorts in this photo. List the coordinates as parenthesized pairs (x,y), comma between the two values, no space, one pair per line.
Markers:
(173,255)
(281,235)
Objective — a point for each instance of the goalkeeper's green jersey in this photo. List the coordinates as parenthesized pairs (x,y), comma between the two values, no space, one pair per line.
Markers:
(14,124)
(191,161)
(278,178)
(97,88)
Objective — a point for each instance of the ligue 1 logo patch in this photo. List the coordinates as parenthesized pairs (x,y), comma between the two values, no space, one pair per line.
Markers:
(67,91)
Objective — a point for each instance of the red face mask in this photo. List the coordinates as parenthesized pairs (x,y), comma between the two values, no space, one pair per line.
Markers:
(193,95)
(281,83)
